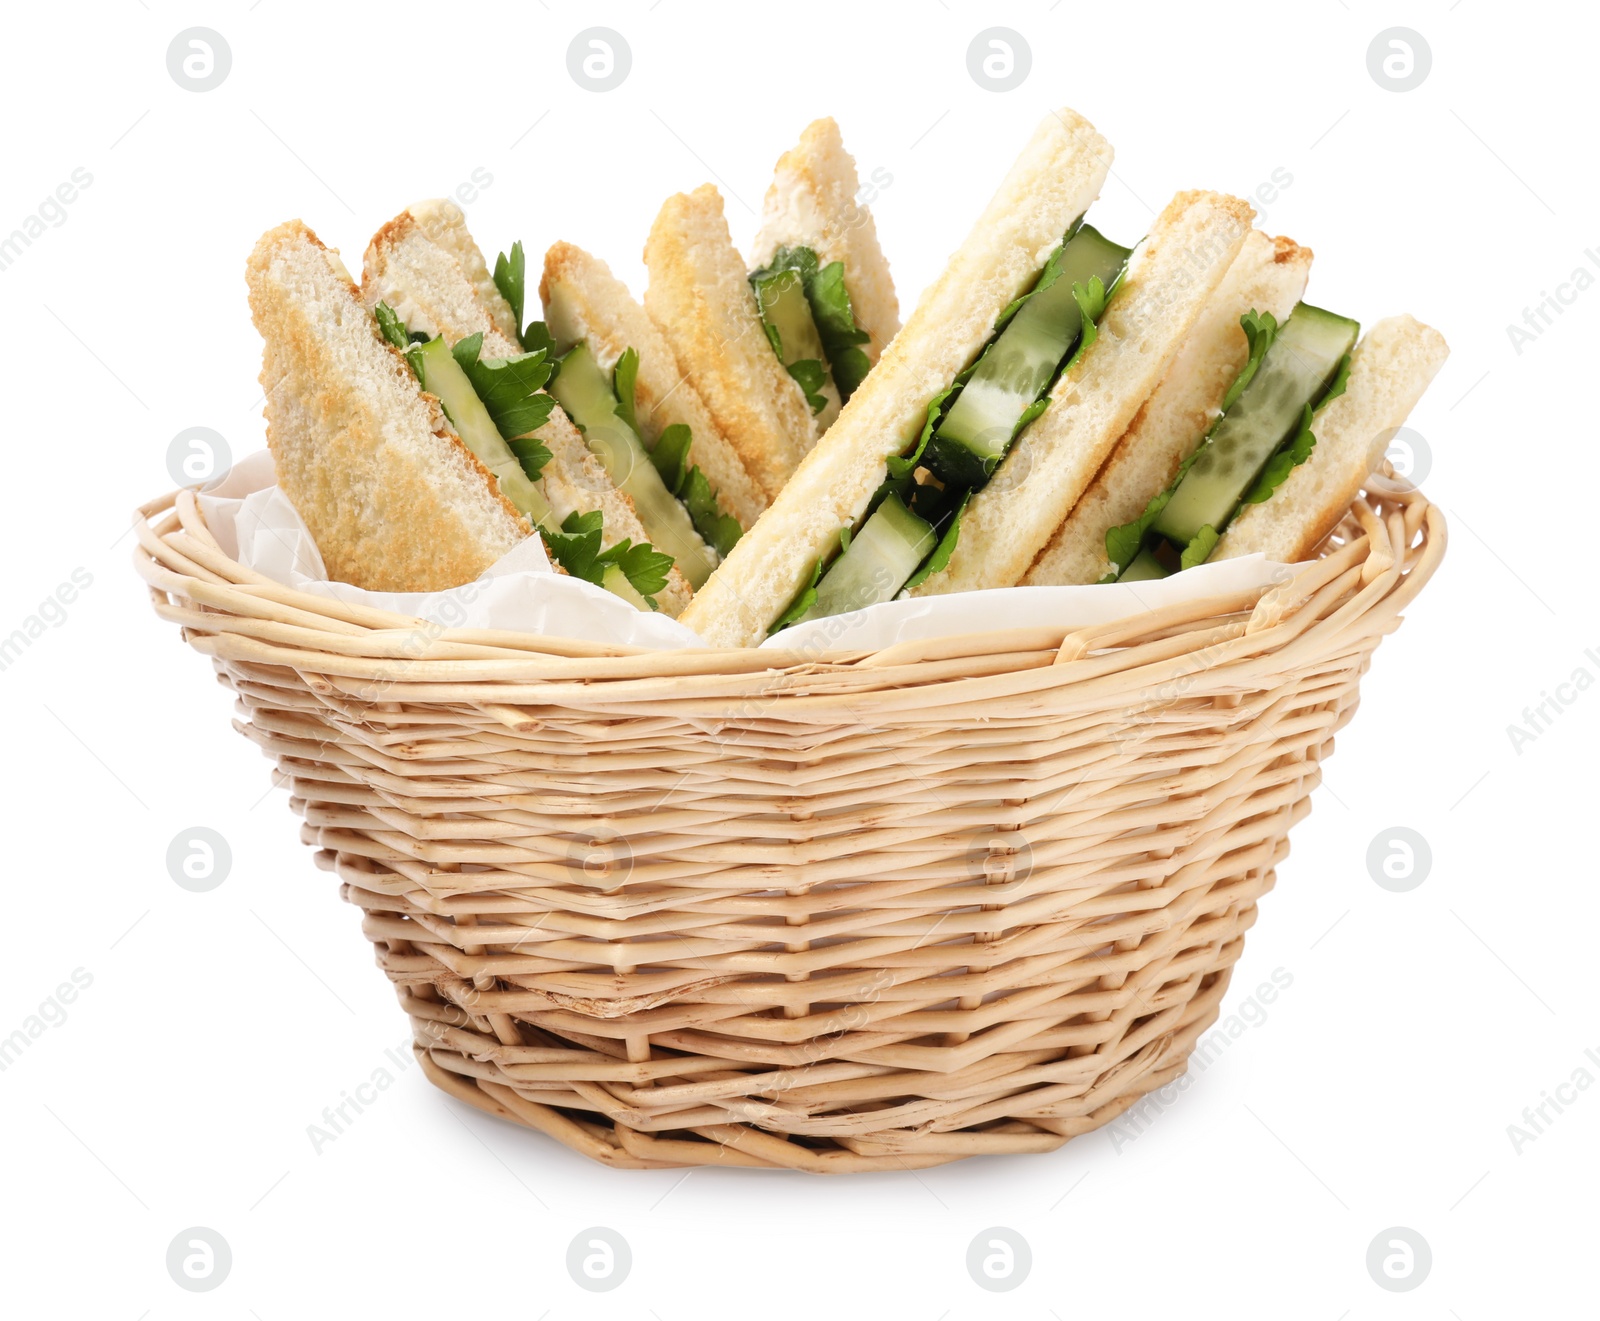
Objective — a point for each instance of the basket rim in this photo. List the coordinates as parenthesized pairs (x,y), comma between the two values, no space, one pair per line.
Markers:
(1385,550)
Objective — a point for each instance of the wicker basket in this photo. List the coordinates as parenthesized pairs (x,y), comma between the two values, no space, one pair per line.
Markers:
(869,911)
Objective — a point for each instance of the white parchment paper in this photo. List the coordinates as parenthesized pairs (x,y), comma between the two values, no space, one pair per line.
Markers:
(254,522)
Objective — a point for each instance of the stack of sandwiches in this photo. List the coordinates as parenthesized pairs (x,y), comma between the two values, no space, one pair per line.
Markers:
(760,442)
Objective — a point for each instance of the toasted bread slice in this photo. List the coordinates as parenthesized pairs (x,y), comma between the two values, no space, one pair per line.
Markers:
(433,286)
(393,499)
(812,203)
(583,300)
(1170,278)
(1268,275)
(443,222)
(1053,182)
(699,295)
(1389,371)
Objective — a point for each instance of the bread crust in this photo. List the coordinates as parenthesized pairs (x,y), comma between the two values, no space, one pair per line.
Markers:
(1054,180)
(586,301)
(1390,370)
(392,498)
(1268,275)
(430,284)
(1190,247)
(699,295)
(811,202)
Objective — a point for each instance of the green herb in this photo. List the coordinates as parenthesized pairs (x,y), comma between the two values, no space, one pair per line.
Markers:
(511,279)
(902,465)
(944,550)
(1260,329)
(576,548)
(833,314)
(1047,277)
(1199,550)
(806,598)
(511,388)
(1290,456)
(391,327)
(671,459)
(812,378)
(624,380)
(1124,542)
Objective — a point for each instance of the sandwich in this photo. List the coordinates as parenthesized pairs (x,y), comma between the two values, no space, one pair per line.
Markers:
(774,352)
(992,410)
(593,319)
(1267,278)
(424,270)
(414,464)
(1298,429)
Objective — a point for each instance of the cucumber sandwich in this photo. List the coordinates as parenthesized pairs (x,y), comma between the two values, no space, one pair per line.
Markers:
(412,462)
(619,382)
(1258,439)
(774,352)
(1263,433)
(605,498)
(992,410)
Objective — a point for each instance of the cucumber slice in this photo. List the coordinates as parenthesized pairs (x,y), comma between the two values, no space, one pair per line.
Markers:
(877,562)
(615,581)
(792,330)
(582,389)
(1143,568)
(441,375)
(1297,370)
(1020,363)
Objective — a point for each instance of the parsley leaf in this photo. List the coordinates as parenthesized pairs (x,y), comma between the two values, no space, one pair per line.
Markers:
(1341,378)
(671,459)
(1047,277)
(812,377)
(833,314)
(1291,455)
(511,388)
(532,454)
(944,550)
(576,548)
(1260,329)
(511,279)
(901,465)
(645,567)
(837,325)
(624,380)
(1091,301)
(1199,550)
(390,326)
(803,601)
(1124,542)
(671,455)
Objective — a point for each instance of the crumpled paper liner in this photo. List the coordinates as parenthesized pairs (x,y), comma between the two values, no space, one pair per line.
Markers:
(254,522)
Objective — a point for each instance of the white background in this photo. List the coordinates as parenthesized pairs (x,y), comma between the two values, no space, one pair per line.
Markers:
(1418,1026)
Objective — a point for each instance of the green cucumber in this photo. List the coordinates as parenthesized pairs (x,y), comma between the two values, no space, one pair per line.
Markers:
(441,375)
(1021,361)
(1296,372)
(1144,567)
(877,562)
(581,388)
(615,581)
(792,330)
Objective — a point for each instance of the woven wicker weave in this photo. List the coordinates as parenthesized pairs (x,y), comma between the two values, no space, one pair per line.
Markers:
(867,911)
